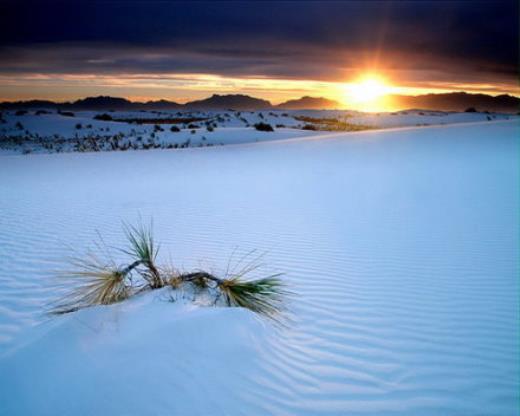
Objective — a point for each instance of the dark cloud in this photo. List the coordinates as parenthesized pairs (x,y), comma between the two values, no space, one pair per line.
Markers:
(318,40)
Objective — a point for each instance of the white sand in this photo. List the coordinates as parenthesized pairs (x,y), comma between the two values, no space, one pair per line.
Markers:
(402,247)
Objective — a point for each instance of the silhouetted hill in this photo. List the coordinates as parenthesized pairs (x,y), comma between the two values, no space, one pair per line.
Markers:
(457,101)
(309,103)
(231,101)
(26,105)
(102,103)
(161,105)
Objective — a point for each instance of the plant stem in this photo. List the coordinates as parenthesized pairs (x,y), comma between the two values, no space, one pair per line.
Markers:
(130,267)
(199,275)
(157,281)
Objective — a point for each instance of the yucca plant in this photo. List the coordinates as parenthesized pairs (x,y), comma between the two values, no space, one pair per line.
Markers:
(94,283)
(144,250)
(264,296)
(102,283)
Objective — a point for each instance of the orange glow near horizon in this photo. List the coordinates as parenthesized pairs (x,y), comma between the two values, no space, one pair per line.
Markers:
(369,91)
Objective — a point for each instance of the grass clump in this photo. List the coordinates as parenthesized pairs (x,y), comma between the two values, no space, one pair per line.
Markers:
(264,296)
(145,251)
(93,282)
(263,127)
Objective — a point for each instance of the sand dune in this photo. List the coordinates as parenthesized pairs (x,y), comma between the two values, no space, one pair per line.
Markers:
(401,248)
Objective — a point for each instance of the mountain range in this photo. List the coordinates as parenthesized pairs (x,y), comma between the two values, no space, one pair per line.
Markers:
(456,101)
(310,103)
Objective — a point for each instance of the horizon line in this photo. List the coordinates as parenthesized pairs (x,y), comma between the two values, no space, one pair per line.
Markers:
(148,100)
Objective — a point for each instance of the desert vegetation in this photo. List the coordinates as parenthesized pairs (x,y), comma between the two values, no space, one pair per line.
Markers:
(263,126)
(330,124)
(163,120)
(95,281)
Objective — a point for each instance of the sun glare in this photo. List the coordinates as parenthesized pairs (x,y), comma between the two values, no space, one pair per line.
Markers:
(366,93)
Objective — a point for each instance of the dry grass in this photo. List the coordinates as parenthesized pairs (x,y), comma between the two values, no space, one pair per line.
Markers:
(264,296)
(144,249)
(93,282)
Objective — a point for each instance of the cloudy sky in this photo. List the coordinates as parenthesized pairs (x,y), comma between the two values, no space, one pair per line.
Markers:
(275,50)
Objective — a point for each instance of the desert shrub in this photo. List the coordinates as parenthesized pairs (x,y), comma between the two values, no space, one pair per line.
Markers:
(193,131)
(470,110)
(280,126)
(103,117)
(94,281)
(210,128)
(309,127)
(20,113)
(175,129)
(19,126)
(66,114)
(263,127)
(79,126)
(40,112)
(193,126)
(157,127)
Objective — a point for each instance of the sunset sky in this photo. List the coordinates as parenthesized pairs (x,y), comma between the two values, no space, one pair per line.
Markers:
(274,50)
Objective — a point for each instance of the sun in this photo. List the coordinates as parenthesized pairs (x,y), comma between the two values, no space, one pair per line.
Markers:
(366,92)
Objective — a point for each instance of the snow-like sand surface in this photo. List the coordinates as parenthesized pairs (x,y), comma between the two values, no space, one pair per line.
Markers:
(401,247)
(53,132)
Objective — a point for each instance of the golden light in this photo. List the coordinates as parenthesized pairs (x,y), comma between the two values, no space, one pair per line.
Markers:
(366,93)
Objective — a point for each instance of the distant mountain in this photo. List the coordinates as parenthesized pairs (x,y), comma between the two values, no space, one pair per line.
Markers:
(309,103)
(26,105)
(457,101)
(161,105)
(231,101)
(102,103)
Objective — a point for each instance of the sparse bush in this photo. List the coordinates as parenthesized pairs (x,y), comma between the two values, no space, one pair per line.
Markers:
(95,281)
(19,126)
(210,128)
(309,127)
(193,126)
(66,114)
(263,127)
(175,129)
(103,117)
(157,127)
(470,110)
(79,126)
(20,113)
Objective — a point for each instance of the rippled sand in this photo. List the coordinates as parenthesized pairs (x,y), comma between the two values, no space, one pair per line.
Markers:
(401,246)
